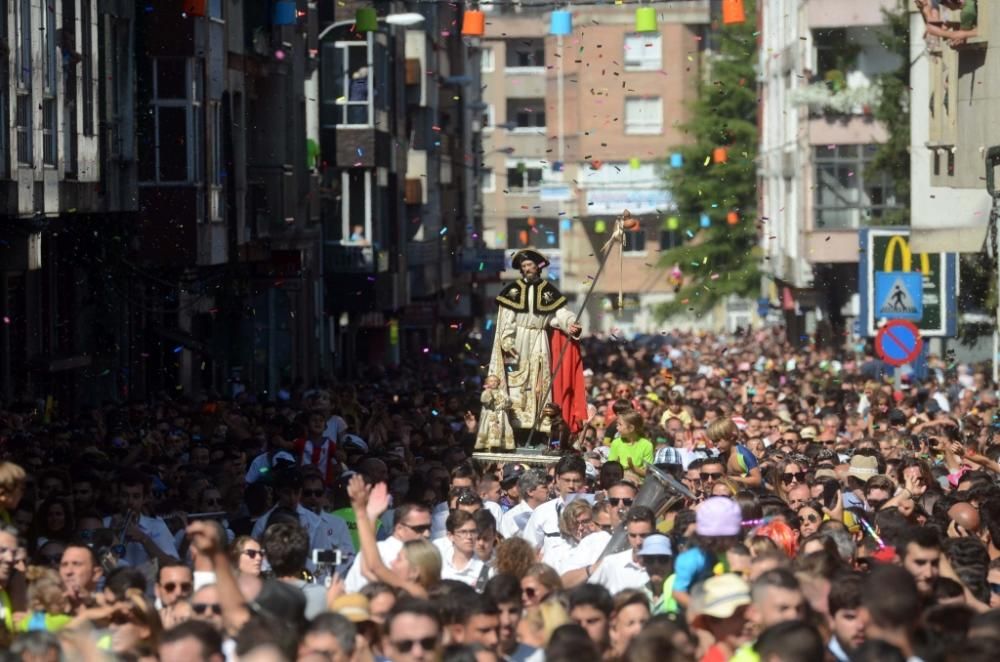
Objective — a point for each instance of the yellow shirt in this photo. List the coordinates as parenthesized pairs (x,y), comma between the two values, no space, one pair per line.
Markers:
(639,451)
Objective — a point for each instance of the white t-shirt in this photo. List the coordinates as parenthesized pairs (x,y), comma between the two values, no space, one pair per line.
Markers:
(388,549)
(587,552)
(509,526)
(156,529)
(619,572)
(544,520)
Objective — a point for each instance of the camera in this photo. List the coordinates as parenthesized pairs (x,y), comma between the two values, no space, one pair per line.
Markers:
(327,556)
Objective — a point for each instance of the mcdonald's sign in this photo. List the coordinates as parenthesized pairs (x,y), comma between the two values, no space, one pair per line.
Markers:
(883,251)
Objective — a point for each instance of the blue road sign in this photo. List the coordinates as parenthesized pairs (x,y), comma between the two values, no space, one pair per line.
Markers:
(899,295)
(898,342)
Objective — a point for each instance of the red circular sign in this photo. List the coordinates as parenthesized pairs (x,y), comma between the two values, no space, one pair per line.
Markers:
(898,342)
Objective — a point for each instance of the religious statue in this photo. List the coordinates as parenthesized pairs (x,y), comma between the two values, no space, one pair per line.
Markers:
(534,329)
(495,432)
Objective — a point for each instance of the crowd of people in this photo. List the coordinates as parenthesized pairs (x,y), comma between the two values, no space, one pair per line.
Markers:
(828,512)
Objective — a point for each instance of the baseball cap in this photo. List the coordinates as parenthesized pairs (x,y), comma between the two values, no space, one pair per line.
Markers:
(721,596)
(510,475)
(656,545)
(863,467)
(808,432)
(718,516)
(352,606)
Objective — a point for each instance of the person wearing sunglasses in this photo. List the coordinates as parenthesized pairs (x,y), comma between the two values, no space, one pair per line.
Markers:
(788,474)
(413,632)
(712,470)
(810,517)
(205,606)
(624,570)
(333,526)
(174,583)
(247,555)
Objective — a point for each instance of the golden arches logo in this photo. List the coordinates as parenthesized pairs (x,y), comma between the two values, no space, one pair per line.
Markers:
(904,249)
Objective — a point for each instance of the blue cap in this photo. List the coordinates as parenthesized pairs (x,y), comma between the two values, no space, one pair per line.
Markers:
(656,545)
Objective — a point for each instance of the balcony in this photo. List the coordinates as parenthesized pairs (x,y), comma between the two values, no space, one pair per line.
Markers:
(846,13)
(345,259)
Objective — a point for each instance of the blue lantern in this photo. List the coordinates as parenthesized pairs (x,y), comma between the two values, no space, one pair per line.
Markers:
(561,23)
(284,12)
(704,221)
(676,160)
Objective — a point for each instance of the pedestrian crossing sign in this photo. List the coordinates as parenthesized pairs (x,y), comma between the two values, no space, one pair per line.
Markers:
(899,295)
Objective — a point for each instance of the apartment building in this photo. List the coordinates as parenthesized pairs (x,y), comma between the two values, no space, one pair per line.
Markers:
(819,63)
(953,123)
(576,129)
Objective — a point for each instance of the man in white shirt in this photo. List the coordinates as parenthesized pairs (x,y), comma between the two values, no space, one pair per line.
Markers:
(620,498)
(571,471)
(288,495)
(412,522)
(147,537)
(333,527)
(533,487)
(617,572)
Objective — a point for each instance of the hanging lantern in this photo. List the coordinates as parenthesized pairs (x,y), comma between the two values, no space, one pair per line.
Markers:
(733,12)
(676,160)
(365,20)
(720,155)
(704,221)
(634,163)
(284,12)
(560,23)
(732,218)
(600,227)
(673,223)
(645,19)
(195,7)
(523,236)
(596,164)
(473,23)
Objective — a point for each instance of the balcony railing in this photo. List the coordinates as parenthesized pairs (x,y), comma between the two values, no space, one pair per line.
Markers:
(341,258)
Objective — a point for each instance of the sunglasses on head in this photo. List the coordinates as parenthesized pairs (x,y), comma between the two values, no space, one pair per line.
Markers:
(621,501)
(406,645)
(170,587)
(789,476)
(254,553)
(201,607)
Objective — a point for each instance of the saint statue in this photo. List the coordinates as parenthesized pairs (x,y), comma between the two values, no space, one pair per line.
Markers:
(533,325)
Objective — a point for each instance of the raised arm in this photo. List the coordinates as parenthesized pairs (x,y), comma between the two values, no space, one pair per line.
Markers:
(360,494)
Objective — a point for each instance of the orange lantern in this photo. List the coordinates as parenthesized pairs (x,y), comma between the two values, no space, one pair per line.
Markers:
(720,155)
(473,23)
(733,12)
(195,7)
(732,218)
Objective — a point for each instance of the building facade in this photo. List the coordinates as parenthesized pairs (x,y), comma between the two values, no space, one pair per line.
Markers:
(819,65)
(575,131)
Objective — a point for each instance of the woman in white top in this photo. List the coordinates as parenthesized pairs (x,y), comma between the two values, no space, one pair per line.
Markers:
(575,523)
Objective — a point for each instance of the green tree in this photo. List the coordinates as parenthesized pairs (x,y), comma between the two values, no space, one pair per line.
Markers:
(893,110)
(723,259)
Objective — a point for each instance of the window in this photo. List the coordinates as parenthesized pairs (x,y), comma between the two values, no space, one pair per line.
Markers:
(49,137)
(50,83)
(87,66)
(635,242)
(643,115)
(531,231)
(347,75)
(488,180)
(849,193)
(215,9)
(356,207)
(24,125)
(521,179)
(70,123)
(487,60)
(24,142)
(526,113)
(525,54)
(172,130)
(4,97)
(669,239)
(643,52)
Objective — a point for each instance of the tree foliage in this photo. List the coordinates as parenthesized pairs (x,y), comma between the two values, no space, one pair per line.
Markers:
(893,156)
(723,259)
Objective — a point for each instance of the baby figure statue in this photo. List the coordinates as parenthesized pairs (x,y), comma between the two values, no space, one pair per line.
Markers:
(495,431)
